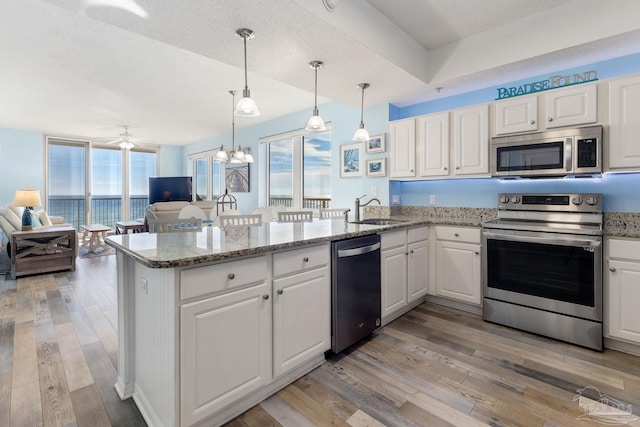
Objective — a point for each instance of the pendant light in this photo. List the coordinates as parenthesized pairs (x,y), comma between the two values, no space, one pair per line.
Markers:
(246,106)
(315,122)
(237,156)
(247,155)
(362,134)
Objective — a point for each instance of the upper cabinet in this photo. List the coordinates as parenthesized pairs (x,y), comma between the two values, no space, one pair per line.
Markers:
(471,140)
(402,148)
(624,123)
(432,148)
(517,115)
(441,145)
(571,106)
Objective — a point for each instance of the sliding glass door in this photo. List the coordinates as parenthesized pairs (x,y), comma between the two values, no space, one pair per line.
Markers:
(67,184)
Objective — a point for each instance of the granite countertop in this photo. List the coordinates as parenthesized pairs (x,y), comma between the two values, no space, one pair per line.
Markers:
(183,249)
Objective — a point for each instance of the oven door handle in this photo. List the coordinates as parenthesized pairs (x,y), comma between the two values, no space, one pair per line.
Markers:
(551,240)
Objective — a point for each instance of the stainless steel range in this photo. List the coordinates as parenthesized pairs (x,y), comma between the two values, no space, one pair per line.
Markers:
(542,266)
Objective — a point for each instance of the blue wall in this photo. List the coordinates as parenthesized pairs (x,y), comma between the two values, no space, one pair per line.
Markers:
(21,163)
(621,191)
(344,121)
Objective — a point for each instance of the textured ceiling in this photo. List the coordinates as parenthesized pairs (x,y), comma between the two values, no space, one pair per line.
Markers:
(85,68)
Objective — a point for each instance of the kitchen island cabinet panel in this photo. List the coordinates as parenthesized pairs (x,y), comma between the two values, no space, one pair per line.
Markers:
(225,350)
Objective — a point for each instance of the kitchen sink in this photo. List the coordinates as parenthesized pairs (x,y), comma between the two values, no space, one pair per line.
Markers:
(381,221)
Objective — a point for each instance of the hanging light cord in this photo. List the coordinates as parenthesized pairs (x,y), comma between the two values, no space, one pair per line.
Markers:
(245,92)
(315,104)
(233,118)
(362,108)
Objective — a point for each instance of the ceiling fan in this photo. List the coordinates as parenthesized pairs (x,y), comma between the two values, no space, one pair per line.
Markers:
(124,140)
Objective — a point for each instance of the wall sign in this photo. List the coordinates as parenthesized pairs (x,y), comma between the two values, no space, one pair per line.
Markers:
(552,82)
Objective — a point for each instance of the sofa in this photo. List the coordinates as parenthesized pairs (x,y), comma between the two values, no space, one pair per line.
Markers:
(169,211)
(11,220)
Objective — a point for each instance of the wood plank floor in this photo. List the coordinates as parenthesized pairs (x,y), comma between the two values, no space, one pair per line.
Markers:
(433,367)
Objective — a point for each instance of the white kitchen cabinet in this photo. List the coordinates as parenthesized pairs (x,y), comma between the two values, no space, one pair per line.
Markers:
(402,148)
(622,290)
(518,114)
(225,349)
(404,269)
(571,106)
(301,307)
(624,123)
(432,146)
(458,264)
(471,140)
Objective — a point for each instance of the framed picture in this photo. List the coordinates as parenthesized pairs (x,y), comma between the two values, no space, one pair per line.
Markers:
(376,144)
(376,167)
(350,160)
(236,179)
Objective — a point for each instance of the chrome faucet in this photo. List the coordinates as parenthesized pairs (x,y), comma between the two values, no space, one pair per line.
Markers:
(359,205)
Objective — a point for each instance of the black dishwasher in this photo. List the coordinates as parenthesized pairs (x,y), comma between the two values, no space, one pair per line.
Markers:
(355,290)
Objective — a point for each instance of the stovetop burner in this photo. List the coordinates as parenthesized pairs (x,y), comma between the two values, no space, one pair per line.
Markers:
(553,213)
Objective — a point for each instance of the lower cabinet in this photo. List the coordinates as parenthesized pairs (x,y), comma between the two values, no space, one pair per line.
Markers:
(225,350)
(622,291)
(404,269)
(259,326)
(301,317)
(458,264)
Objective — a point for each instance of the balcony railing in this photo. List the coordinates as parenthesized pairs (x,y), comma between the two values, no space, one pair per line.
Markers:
(307,203)
(105,210)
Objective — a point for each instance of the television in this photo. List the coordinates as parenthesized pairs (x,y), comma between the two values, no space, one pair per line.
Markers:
(170,189)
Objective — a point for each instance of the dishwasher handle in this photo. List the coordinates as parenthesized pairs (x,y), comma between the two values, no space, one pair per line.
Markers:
(343,253)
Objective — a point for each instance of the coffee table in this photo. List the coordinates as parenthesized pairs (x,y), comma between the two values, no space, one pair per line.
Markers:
(123,227)
(93,236)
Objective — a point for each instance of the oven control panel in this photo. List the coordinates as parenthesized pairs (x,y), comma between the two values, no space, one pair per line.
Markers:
(588,203)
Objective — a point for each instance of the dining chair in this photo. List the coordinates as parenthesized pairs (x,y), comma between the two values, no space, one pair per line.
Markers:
(229,220)
(228,212)
(328,213)
(295,216)
(265,212)
(184,224)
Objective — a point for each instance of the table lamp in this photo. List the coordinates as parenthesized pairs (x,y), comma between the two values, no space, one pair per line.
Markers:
(28,199)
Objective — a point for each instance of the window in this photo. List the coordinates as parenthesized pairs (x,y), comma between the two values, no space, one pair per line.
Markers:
(299,171)
(208,175)
(117,179)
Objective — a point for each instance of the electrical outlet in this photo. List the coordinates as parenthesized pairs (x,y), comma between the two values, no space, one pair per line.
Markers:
(374,190)
(432,199)
(395,199)
(144,285)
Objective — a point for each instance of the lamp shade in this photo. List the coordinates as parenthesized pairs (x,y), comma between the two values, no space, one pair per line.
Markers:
(247,107)
(27,198)
(315,124)
(361,135)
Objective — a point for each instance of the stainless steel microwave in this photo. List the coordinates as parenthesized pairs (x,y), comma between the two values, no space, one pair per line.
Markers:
(561,152)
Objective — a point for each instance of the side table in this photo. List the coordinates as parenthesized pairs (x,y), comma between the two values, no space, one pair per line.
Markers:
(43,251)
(123,227)
(93,237)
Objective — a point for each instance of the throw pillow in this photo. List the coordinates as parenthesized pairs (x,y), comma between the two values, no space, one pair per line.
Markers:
(35,221)
(44,218)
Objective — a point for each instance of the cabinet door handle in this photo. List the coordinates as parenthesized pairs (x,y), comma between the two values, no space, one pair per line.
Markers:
(280,291)
(444,168)
(457,167)
(411,251)
(532,122)
(231,276)
(265,296)
(406,253)
(612,269)
(550,119)
(477,253)
(456,234)
(305,259)
(411,170)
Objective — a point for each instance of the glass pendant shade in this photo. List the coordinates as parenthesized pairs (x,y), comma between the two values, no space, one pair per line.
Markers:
(246,107)
(362,134)
(247,155)
(221,155)
(315,122)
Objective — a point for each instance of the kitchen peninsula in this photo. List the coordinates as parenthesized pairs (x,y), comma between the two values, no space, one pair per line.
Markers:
(212,322)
